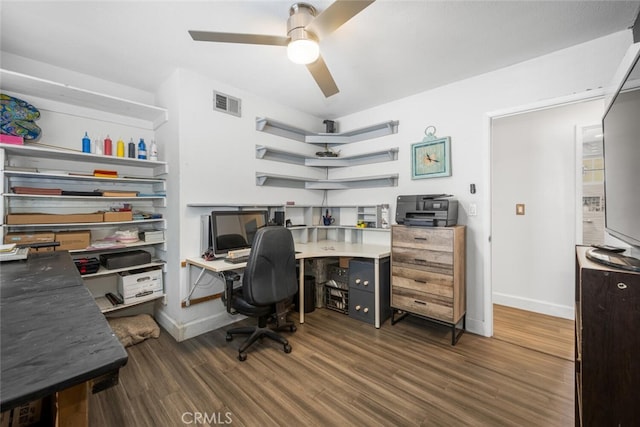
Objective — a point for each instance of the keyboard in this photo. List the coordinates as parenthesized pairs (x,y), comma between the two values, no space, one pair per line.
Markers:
(239,253)
(237,260)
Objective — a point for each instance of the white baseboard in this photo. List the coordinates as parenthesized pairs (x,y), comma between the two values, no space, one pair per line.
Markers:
(168,324)
(195,327)
(543,307)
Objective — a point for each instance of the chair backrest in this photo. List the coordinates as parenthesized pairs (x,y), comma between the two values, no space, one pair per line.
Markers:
(270,274)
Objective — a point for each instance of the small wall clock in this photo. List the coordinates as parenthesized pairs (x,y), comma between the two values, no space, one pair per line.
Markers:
(431,158)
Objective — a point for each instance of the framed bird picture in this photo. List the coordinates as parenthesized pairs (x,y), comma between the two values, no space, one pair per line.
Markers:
(431,158)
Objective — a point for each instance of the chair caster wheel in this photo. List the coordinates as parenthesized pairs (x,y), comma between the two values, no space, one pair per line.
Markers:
(229,337)
(292,328)
(243,356)
(287,348)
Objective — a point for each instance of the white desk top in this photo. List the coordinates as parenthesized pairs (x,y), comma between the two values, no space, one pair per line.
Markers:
(323,248)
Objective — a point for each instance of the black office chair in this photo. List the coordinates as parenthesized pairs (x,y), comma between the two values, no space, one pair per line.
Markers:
(269,280)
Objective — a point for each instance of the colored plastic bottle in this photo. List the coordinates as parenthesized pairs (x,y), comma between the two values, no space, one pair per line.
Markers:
(142,150)
(97,147)
(153,151)
(86,143)
(132,149)
(107,147)
(120,148)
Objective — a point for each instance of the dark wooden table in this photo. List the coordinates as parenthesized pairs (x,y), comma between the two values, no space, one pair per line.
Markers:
(53,337)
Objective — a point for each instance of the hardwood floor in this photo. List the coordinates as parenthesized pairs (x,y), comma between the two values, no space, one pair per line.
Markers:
(340,372)
(548,334)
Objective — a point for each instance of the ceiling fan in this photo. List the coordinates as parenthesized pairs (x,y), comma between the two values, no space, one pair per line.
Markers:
(305,28)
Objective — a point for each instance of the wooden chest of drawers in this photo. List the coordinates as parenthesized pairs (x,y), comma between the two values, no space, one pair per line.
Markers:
(428,274)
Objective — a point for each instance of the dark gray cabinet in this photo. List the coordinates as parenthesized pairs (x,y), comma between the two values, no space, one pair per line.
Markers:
(362,304)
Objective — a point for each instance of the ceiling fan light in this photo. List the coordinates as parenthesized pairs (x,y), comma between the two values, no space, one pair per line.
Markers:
(303,51)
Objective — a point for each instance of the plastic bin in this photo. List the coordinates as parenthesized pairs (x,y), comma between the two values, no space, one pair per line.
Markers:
(309,295)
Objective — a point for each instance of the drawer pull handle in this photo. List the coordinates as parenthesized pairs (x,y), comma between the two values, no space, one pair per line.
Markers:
(366,283)
(419,281)
(622,286)
(358,307)
(358,281)
(366,309)
(419,302)
(424,261)
(420,238)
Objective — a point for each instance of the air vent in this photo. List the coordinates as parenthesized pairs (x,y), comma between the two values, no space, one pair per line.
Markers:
(226,104)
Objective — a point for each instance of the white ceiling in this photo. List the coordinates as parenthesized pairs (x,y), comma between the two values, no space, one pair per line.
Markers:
(390,50)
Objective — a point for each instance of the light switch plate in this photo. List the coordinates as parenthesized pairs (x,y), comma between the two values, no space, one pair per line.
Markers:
(473,209)
(520,209)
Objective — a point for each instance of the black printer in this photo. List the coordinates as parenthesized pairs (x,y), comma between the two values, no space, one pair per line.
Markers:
(427,210)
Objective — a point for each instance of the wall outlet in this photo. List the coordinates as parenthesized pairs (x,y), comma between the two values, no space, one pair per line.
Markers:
(473,209)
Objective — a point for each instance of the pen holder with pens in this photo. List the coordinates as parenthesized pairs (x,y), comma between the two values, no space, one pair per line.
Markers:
(328,219)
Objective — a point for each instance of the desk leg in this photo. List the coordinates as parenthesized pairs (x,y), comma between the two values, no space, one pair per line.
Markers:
(376,291)
(187,301)
(73,406)
(301,290)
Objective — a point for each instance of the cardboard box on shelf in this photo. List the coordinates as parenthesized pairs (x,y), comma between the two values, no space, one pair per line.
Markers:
(21,238)
(28,414)
(43,218)
(118,216)
(70,240)
(344,261)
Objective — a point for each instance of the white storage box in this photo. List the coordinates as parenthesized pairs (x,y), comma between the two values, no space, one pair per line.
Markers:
(140,284)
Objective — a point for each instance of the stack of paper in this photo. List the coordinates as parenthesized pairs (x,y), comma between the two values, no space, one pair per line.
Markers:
(11,251)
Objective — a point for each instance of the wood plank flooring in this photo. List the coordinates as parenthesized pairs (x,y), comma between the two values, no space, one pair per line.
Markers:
(341,372)
(548,334)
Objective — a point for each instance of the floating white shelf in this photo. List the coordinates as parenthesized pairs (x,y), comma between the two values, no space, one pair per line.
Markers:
(269,153)
(274,180)
(297,134)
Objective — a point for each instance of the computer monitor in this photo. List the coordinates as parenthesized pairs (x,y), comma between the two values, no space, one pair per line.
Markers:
(233,230)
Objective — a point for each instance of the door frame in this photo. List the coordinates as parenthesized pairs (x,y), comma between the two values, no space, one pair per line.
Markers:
(579,177)
(488,150)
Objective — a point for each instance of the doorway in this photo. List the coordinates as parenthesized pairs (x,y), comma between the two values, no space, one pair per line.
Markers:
(533,208)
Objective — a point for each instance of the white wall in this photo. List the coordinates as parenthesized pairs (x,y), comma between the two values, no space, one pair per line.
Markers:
(461,111)
(212,161)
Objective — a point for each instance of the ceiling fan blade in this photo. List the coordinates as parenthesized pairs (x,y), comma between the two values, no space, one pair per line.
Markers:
(208,36)
(335,15)
(323,77)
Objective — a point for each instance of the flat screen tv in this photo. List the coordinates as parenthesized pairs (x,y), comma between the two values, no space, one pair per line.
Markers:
(621,139)
(233,230)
